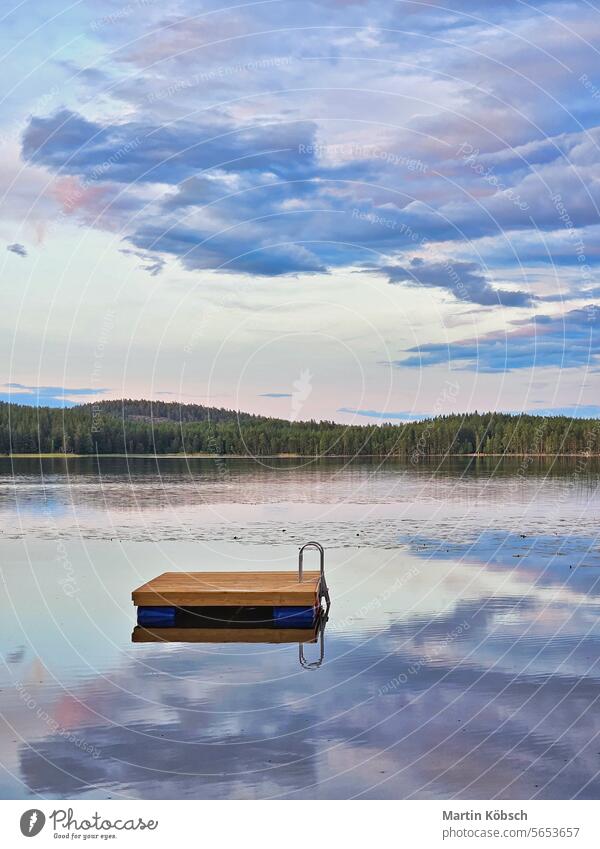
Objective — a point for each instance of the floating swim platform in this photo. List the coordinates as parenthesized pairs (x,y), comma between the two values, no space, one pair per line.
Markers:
(231,589)
(284,599)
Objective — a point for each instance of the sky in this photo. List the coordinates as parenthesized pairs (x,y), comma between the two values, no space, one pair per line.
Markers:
(343,210)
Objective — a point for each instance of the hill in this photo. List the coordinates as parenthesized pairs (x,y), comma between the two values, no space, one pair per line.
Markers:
(149,427)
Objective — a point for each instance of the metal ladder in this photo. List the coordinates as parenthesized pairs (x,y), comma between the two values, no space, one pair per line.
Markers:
(323,615)
(323,588)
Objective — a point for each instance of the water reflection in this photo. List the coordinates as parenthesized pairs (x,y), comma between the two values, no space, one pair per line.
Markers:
(365,502)
(452,666)
(234,633)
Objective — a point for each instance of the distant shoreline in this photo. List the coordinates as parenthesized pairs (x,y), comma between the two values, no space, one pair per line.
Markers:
(209,456)
(141,428)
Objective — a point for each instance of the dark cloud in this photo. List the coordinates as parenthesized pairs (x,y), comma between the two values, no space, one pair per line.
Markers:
(403,415)
(151,263)
(143,152)
(18,249)
(508,128)
(256,196)
(200,248)
(571,340)
(464,280)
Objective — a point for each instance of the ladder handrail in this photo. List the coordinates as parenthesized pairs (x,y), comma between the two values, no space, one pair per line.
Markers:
(321,551)
(315,663)
(323,588)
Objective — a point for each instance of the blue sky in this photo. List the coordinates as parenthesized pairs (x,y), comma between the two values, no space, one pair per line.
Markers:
(318,210)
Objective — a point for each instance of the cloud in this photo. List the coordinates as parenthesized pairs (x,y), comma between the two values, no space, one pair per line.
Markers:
(18,249)
(233,250)
(257,170)
(403,415)
(258,178)
(564,341)
(464,280)
(45,396)
(272,199)
(572,411)
(237,190)
(134,151)
(150,263)
(275,395)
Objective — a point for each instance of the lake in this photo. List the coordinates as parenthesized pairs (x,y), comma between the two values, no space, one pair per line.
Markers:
(461,655)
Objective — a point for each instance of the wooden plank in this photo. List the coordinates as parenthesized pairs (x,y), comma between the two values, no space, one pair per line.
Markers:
(223,635)
(249,589)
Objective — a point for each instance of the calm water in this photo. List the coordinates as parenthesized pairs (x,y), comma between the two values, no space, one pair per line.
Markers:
(461,654)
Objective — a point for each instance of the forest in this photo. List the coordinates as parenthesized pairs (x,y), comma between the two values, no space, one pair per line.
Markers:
(155,427)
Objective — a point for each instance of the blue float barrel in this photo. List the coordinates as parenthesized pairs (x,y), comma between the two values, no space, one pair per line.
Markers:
(294,617)
(156,617)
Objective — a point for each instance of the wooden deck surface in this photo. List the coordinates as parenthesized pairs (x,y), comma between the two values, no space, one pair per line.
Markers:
(224,635)
(249,589)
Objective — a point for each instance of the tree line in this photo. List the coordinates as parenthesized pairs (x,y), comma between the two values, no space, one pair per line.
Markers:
(144,427)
